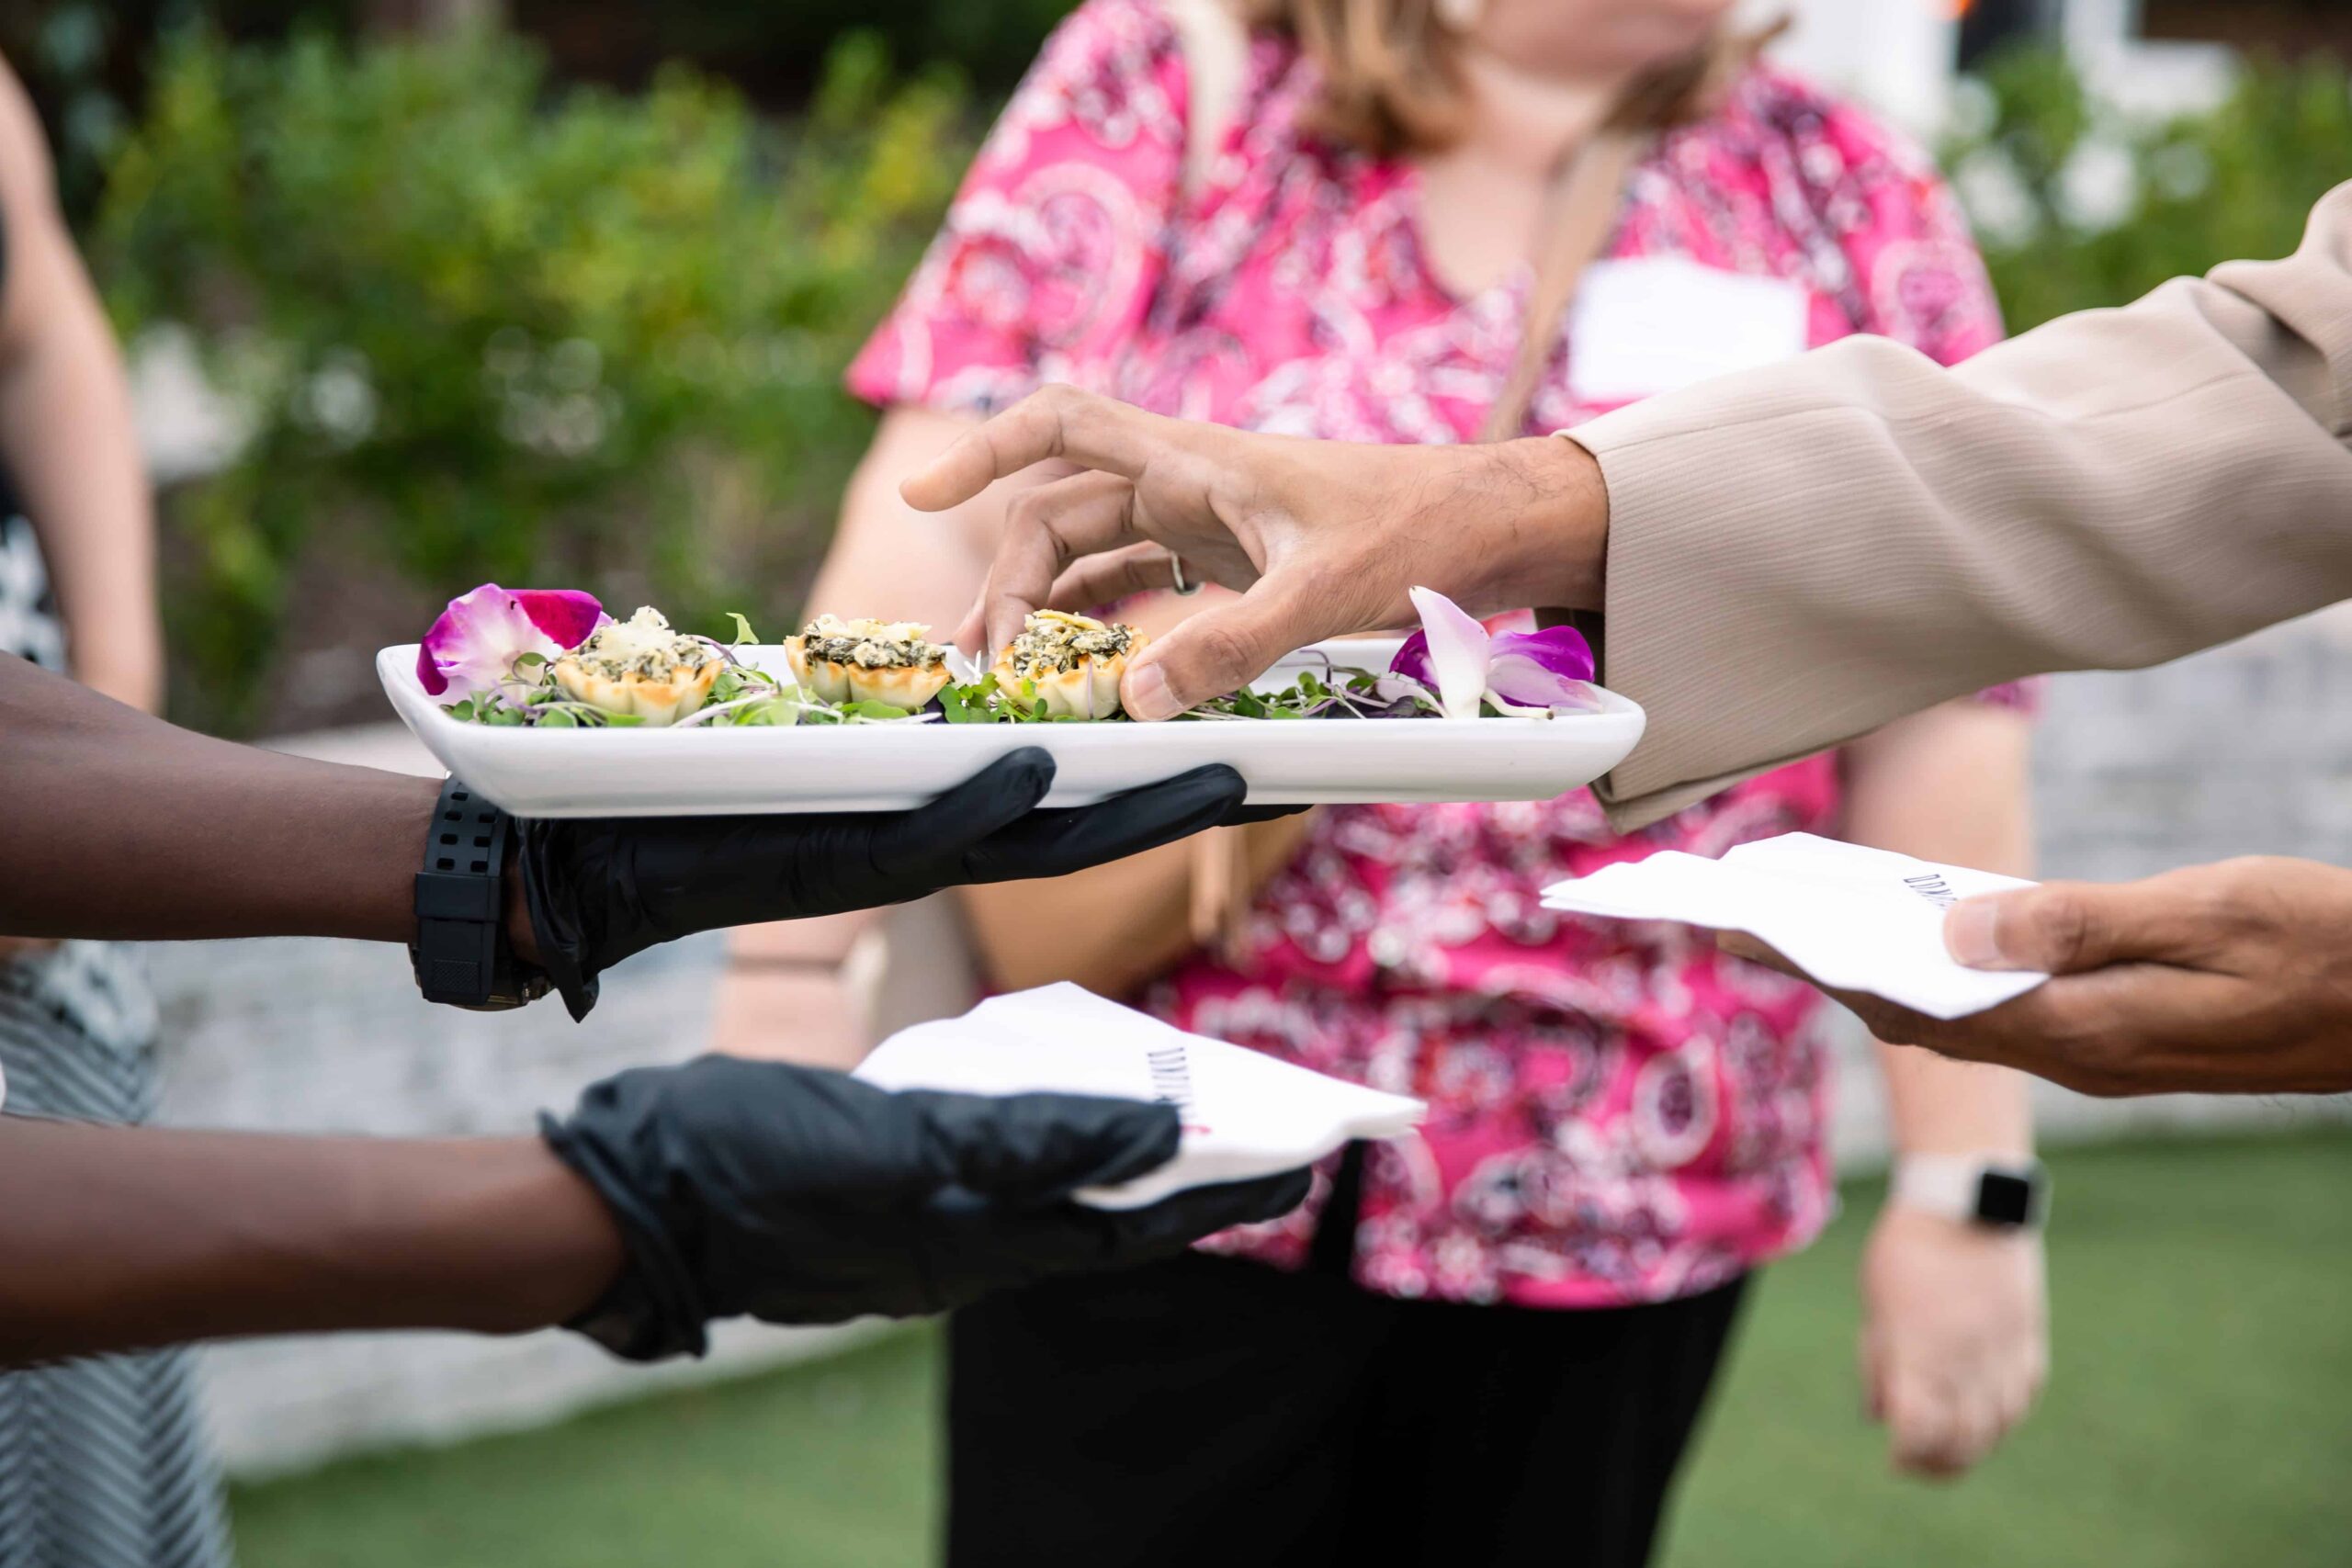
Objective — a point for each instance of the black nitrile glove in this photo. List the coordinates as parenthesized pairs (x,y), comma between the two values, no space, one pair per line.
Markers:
(799,1195)
(600,890)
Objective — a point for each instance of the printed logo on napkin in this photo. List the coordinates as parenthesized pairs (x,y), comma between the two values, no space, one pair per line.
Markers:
(1245,1114)
(1855,919)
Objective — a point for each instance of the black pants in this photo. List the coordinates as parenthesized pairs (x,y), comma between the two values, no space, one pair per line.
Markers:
(1209,1413)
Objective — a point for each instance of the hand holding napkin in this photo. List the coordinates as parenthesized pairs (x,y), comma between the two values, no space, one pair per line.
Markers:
(1852,918)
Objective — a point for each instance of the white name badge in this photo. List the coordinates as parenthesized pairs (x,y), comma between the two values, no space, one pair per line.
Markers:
(1649,325)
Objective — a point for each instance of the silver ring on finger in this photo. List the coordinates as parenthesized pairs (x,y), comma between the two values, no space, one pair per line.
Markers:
(1183,590)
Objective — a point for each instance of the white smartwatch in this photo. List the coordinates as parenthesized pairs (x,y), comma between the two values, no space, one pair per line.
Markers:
(2003,1194)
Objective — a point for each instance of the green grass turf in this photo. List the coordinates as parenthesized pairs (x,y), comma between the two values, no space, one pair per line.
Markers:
(2200,1414)
(2200,1410)
(809,1467)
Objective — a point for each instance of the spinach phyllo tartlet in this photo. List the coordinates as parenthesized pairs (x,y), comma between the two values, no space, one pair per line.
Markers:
(641,667)
(868,661)
(1071,663)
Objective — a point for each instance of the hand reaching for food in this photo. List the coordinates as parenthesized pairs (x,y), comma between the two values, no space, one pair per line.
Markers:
(1321,538)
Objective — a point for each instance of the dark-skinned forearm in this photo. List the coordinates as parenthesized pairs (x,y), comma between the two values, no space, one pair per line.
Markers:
(112,1238)
(124,826)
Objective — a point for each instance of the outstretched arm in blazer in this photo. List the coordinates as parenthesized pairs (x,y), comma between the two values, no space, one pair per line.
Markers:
(1787,558)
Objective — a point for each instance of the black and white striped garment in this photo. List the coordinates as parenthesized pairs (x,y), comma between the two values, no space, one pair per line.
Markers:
(104,1461)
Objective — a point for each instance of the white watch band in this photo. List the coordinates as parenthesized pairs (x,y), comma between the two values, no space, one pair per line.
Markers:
(1949,1185)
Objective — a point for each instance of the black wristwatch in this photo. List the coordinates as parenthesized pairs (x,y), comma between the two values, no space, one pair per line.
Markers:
(461,956)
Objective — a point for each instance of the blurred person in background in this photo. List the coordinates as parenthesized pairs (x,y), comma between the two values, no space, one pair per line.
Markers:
(1365,222)
(103,1463)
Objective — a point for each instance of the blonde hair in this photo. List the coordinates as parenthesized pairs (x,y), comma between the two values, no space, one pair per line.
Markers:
(1392,75)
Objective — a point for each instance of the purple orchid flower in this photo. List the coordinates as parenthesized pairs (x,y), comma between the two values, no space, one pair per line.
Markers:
(1522,673)
(475,643)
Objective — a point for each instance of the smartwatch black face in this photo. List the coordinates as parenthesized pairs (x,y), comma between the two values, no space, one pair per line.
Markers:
(2004,1199)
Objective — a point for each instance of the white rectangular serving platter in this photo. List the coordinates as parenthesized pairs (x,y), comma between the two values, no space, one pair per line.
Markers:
(892,767)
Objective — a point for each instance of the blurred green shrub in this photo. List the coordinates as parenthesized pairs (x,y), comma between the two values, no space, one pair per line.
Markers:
(2078,204)
(486,328)
(771,46)
(86,62)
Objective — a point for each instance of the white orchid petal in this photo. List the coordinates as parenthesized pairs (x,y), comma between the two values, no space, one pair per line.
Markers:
(1458,646)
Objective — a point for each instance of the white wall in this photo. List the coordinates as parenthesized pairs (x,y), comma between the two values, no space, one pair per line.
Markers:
(1895,55)
(2154,79)
(1899,55)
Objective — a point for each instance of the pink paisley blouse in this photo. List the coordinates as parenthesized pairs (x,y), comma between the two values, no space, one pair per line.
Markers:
(1618,1113)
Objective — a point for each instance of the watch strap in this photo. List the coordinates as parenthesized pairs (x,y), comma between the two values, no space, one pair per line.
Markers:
(2006,1194)
(460,955)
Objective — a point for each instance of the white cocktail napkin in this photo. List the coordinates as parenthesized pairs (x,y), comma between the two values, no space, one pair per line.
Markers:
(1854,918)
(1245,1114)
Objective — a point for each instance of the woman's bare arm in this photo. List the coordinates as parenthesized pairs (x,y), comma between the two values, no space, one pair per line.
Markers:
(67,439)
(885,559)
(1955,1340)
(1949,785)
(118,1237)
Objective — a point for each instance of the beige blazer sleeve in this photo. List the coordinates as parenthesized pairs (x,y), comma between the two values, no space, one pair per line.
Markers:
(1800,553)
